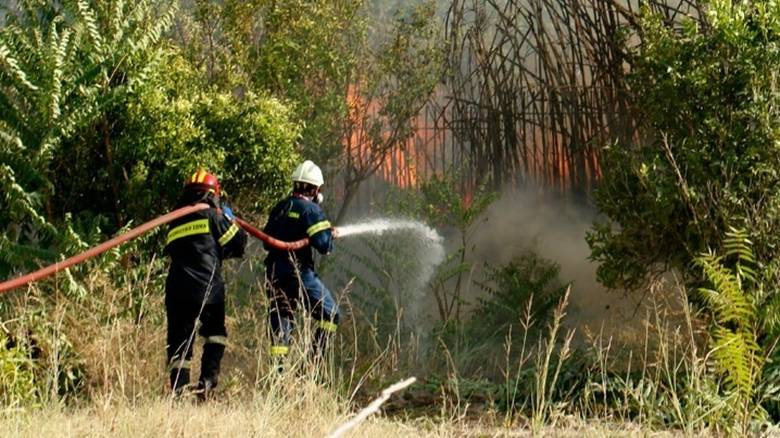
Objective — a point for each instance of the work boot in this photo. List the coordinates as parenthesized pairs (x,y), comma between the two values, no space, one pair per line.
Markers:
(278,355)
(180,378)
(209,369)
(210,361)
(204,390)
(323,332)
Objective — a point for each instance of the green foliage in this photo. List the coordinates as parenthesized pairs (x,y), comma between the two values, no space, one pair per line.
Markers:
(157,139)
(706,156)
(166,130)
(257,137)
(116,121)
(346,76)
(17,376)
(439,202)
(439,205)
(705,163)
(306,55)
(730,297)
(62,63)
(299,51)
(512,312)
(709,163)
(526,287)
(39,364)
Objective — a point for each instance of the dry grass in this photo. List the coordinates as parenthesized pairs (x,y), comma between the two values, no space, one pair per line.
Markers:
(263,417)
(123,388)
(164,419)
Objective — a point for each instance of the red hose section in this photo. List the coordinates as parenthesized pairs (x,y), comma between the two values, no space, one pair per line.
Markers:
(276,243)
(103,247)
(132,234)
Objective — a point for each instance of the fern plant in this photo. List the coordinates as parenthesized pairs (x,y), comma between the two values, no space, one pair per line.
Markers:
(731,298)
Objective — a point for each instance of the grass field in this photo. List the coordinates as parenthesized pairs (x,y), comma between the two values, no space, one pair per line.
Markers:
(311,416)
(100,371)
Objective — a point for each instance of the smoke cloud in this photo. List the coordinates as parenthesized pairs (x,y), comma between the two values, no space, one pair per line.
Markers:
(555,229)
(517,222)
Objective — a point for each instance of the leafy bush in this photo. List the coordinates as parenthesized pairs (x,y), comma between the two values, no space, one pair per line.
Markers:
(732,297)
(257,138)
(509,316)
(61,64)
(307,53)
(164,131)
(127,159)
(528,287)
(704,164)
(706,155)
(438,204)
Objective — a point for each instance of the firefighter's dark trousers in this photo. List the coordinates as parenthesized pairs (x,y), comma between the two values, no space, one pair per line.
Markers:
(182,316)
(284,293)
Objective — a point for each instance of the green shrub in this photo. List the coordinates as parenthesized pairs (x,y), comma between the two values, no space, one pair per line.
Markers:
(527,285)
(17,374)
(705,155)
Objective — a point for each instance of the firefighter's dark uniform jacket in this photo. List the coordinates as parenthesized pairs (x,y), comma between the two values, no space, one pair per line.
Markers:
(197,244)
(291,274)
(293,219)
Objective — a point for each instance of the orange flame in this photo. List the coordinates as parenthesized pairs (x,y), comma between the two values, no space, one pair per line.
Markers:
(392,161)
(410,161)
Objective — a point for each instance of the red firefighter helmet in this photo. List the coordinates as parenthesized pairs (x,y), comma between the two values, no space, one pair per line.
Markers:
(204,181)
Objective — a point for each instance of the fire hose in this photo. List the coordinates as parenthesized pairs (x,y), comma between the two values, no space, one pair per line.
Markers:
(276,243)
(132,234)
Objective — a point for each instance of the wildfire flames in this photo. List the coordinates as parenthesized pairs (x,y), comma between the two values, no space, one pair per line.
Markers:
(391,157)
(433,146)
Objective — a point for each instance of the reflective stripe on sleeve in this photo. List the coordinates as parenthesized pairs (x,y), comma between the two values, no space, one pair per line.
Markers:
(228,234)
(316,228)
(327,326)
(221,340)
(279,350)
(200,226)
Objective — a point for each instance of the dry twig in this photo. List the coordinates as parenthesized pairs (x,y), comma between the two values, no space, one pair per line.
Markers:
(372,408)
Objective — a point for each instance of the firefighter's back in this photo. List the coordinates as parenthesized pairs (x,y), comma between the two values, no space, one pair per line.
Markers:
(195,260)
(197,244)
(291,220)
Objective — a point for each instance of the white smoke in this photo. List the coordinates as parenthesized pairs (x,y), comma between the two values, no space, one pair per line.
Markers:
(554,228)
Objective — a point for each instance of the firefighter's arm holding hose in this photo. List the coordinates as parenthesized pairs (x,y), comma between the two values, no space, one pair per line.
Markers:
(319,229)
(230,236)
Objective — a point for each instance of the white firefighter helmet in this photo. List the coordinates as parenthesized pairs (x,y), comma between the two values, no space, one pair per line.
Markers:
(309,173)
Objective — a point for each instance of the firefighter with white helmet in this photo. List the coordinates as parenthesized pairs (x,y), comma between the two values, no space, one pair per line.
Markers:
(291,274)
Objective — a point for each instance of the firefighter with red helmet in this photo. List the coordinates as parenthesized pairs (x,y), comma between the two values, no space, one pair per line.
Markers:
(194,290)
